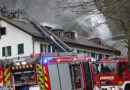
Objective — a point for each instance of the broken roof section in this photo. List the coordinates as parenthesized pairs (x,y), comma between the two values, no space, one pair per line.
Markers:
(83,41)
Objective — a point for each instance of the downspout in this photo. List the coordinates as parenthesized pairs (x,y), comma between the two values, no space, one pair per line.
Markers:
(33,46)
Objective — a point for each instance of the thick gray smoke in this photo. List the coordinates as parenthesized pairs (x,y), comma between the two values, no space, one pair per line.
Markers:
(46,12)
(96,26)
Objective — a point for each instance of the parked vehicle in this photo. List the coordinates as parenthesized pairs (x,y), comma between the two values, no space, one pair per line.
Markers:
(114,73)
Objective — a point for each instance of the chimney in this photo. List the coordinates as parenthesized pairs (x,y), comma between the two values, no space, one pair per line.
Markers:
(71,35)
(96,40)
(48,28)
(58,32)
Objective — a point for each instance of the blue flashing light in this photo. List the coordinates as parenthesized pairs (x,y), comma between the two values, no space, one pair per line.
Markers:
(97,59)
(115,58)
(45,60)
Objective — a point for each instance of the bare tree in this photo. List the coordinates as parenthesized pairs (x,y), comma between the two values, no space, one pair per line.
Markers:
(116,10)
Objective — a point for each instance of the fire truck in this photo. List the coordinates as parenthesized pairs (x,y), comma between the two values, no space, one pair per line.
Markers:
(58,71)
(114,73)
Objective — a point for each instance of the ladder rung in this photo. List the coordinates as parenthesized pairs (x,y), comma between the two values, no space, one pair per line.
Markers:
(39,75)
(38,68)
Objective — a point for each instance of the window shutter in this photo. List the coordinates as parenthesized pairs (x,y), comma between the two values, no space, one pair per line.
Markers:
(9,50)
(3,51)
(41,47)
(20,48)
(53,49)
(49,48)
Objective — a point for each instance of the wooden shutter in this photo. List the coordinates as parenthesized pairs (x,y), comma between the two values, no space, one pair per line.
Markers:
(9,50)
(20,48)
(49,48)
(3,51)
(41,47)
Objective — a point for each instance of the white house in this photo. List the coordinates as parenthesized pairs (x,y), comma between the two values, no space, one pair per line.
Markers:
(18,39)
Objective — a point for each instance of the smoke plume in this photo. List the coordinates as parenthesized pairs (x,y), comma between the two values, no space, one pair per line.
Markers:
(46,12)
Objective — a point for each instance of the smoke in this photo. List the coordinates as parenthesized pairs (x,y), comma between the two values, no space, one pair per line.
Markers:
(101,29)
(48,24)
(45,11)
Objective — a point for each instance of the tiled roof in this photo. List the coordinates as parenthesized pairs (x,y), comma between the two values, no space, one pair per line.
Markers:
(28,28)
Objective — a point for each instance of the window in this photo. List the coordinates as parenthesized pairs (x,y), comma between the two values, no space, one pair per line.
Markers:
(3,30)
(107,56)
(93,54)
(95,68)
(100,56)
(108,68)
(20,48)
(122,68)
(76,76)
(79,51)
(85,51)
(43,47)
(6,51)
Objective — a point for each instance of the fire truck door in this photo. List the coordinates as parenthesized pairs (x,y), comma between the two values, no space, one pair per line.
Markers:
(59,77)
(122,71)
(88,75)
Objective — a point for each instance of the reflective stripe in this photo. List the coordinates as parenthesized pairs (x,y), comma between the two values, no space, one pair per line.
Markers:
(8,75)
(41,85)
(40,79)
(8,82)
(52,37)
(6,70)
(46,85)
(40,72)
(39,66)
(45,78)
(45,72)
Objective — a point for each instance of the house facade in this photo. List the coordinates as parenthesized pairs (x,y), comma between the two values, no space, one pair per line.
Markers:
(20,39)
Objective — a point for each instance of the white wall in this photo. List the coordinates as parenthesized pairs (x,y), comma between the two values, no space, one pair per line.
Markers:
(13,37)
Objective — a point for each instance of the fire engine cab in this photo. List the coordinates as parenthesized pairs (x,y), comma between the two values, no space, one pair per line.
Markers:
(114,73)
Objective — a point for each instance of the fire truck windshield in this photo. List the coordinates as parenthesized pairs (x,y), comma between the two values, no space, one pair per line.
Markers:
(107,68)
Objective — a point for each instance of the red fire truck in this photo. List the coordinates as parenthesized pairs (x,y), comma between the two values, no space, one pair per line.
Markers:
(70,73)
(55,72)
(114,73)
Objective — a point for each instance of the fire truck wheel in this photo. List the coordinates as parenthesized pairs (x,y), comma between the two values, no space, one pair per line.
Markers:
(127,87)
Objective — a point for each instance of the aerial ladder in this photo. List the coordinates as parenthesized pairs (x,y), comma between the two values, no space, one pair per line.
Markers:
(54,41)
